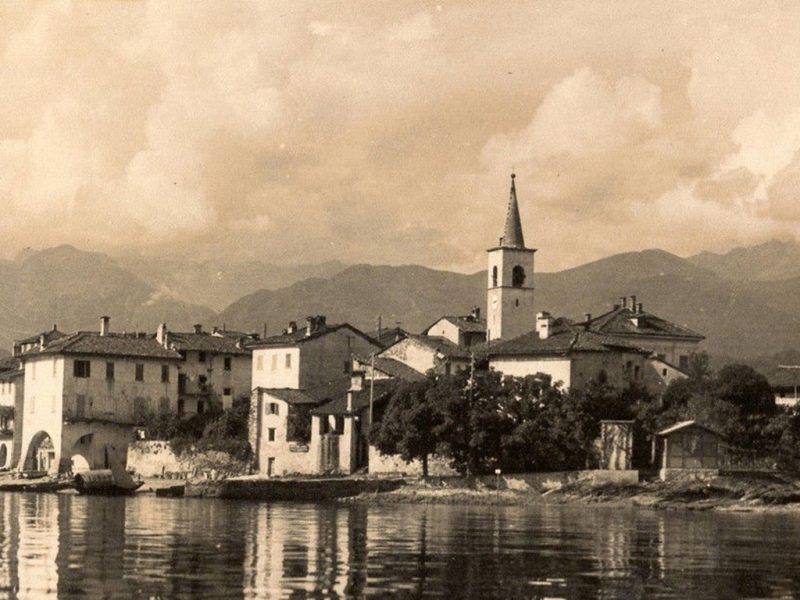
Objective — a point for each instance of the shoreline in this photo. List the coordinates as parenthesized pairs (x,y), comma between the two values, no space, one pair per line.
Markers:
(729,493)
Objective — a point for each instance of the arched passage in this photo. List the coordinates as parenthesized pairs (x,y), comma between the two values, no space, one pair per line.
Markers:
(41,454)
(81,453)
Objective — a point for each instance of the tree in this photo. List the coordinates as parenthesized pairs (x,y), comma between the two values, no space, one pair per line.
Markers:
(409,423)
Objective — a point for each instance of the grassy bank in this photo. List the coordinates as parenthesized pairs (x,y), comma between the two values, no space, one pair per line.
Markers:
(736,493)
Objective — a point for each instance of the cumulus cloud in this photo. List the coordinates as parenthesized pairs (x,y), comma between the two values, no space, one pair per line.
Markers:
(386,133)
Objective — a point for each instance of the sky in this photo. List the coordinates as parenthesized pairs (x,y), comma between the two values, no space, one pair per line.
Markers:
(386,132)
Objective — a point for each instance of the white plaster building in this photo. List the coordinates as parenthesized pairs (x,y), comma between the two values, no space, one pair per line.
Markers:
(292,373)
(85,392)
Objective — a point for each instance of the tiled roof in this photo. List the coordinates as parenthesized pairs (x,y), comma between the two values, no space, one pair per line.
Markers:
(394,368)
(466,323)
(618,322)
(382,389)
(112,344)
(290,396)
(388,336)
(207,342)
(564,338)
(441,345)
(10,368)
(49,336)
(299,336)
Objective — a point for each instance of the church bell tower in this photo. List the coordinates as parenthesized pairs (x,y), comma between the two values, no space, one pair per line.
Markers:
(510,310)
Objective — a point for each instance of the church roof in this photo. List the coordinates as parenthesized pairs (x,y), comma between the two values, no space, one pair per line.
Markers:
(512,234)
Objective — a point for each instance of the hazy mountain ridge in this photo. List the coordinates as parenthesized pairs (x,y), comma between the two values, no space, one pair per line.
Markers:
(771,261)
(741,317)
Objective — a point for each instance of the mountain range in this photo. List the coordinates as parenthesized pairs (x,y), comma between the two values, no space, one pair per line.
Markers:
(746,302)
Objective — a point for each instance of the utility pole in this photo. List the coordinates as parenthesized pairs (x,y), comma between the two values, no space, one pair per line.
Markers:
(792,368)
(371,385)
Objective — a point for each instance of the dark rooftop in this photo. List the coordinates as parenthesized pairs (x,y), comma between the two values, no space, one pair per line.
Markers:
(209,342)
(382,389)
(111,344)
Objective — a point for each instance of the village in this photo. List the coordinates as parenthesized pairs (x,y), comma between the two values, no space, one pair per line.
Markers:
(82,401)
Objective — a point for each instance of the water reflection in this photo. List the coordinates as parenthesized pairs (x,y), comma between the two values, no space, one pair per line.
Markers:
(77,547)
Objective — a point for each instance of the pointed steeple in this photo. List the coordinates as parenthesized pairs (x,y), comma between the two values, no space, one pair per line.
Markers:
(512,235)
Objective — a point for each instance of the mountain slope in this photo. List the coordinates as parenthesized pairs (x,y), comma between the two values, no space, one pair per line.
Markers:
(738,318)
(771,261)
(72,288)
(217,283)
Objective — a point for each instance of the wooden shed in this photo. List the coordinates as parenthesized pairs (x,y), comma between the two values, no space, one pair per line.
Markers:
(689,450)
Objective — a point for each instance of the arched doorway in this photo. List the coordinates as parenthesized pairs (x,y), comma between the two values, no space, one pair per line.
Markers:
(79,464)
(41,455)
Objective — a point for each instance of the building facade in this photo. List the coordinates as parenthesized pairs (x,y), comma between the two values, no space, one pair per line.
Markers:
(292,373)
(215,366)
(85,393)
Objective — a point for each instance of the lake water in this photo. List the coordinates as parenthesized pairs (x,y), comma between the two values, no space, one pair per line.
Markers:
(147,547)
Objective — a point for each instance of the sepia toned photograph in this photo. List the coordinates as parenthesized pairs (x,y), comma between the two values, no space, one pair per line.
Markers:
(448,299)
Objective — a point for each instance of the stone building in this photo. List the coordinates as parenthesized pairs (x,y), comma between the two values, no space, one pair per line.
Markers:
(467,331)
(84,394)
(12,379)
(292,373)
(216,366)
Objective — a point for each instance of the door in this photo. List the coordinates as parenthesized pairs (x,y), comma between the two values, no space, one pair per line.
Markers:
(270,466)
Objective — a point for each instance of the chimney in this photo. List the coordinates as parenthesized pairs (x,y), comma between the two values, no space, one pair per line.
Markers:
(350,401)
(161,334)
(198,328)
(544,322)
(633,303)
(616,307)
(321,321)
(41,342)
(623,301)
(639,308)
(311,326)
(476,313)
(104,322)
(214,330)
(357,381)
(588,318)
(292,327)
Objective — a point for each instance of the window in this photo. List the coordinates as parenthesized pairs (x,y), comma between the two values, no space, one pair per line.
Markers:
(201,407)
(201,357)
(81,368)
(636,372)
(516,302)
(271,434)
(164,373)
(139,372)
(183,354)
(259,363)
(227,392)
(347,366)
(274,362)
(181,406)
(494,276)
(517,276)
(227,363)
(288,361)
(664,372)
(272,409)
(109,371)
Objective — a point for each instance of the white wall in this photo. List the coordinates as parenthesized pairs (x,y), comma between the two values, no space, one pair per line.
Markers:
(287,461)
(558,368)
(270,370)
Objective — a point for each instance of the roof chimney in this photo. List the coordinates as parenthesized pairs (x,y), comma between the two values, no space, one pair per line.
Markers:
(639,307)
(292,327)
(357,381)
(161,334)
(544,323)
(41,342)
(588,319)
(633,303)
(311,326)
(623,301)
(104,322)
(476,313)
(350,401)
(198,328)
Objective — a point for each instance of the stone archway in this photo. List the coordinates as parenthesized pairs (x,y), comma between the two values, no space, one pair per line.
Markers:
(41,454)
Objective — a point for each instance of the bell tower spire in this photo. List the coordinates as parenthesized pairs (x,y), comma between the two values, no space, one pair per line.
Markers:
(509,310)
(512,234)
